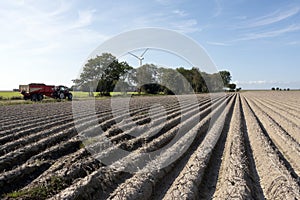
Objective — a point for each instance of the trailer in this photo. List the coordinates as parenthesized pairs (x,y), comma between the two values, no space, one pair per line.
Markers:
(37,91)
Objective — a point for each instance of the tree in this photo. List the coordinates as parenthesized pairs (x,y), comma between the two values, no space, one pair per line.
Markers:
(102,73)
(151,88)
(194,78)
(114,74)
(188,75)
(197,80)
(145,74)
(273,88)
(214,82)
(232,86)
(172,82)
(226,77)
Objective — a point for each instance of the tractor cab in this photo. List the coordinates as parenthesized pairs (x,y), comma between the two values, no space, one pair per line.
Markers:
(62,92)
(61,88)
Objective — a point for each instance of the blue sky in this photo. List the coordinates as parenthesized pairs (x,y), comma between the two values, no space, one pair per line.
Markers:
(258,41)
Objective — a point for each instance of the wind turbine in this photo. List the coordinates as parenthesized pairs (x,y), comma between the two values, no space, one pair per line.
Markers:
(140,58)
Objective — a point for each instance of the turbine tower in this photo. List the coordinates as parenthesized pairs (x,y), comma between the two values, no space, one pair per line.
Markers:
(140,58)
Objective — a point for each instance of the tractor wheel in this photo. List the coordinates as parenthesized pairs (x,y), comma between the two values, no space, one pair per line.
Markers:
(40,97)
(34,97)
(70,97)
(62,96)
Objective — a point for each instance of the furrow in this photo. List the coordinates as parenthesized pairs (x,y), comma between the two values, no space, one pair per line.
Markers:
(235,179)
(186,185)
(287,145)
(276,180)
(108,178)
(141,184)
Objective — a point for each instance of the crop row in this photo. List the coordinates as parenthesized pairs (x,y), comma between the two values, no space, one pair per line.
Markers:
(243,146)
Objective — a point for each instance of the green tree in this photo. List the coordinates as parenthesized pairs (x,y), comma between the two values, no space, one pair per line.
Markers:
(232,86)
(172,81)
(226,77)
(145,74)
(204,82)
(198,82)
(194,78)
(115,74)
(102,73)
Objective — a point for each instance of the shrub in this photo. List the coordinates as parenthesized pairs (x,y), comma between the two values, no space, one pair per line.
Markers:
(151,88)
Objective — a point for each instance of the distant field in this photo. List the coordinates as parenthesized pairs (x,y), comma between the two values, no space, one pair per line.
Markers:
(6,95)
(79,94)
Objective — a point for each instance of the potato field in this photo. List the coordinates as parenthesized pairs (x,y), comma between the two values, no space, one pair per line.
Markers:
(220,146)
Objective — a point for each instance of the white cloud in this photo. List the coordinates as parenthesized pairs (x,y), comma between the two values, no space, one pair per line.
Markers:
(85,18)
(37,40)
(261,82)
(264,26)
(267,84)
(168,2)
(176,20)
(185,26)
(293,43)
(273,17)
(218,43)
(269,34)
(35,29)
(181,13)
(218,8)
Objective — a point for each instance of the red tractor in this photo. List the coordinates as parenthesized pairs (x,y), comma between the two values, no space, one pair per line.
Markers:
(37,91)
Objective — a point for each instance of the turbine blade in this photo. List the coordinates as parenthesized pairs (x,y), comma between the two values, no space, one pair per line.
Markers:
(134,55)
(144,52)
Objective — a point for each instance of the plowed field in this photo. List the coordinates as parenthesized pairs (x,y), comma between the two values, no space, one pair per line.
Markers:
(234,146)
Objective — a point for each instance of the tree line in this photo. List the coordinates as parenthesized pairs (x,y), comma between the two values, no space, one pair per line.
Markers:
(105,74)
(279,89)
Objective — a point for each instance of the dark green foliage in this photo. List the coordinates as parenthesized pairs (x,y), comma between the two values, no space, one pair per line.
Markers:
(226,77)
(173,82)
(105,74)
(232,86)
(195,78)
(151,88)
(204,82)
(102,73)
(146,74)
